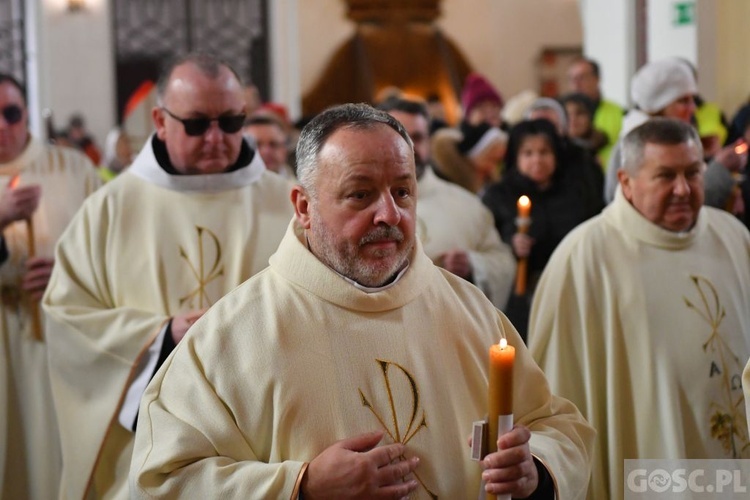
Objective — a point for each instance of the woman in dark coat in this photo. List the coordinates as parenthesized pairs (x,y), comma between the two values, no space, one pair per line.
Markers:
(538,167)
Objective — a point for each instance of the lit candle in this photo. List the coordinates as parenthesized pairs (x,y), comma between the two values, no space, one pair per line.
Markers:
(502,358)
(36,324)
(736,192)
(524,207)
(522,226)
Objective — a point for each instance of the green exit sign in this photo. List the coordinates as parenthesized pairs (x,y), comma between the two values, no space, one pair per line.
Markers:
(683,13)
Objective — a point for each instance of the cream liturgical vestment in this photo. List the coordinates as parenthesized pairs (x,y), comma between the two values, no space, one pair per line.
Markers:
(145,247)
(647,332)
(29,450)
(297,358)
(449,218)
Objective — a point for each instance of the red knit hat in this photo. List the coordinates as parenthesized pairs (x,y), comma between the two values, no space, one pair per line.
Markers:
(277,109)
(477,89)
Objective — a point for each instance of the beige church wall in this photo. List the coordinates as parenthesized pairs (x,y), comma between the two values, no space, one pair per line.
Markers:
(323,27)
(503,38)
(500,38)
(723,58)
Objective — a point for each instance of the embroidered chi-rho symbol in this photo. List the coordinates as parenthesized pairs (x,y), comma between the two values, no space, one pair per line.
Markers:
(203,274)
(399,431)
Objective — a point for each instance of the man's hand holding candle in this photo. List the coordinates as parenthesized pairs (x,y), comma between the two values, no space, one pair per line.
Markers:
(522,244)
(511,469)
(36,278)
(18,203)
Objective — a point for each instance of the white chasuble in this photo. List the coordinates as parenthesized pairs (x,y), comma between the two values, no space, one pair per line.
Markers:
(449,218)
(145,247)
(29,450)
(647,332)
(298,358)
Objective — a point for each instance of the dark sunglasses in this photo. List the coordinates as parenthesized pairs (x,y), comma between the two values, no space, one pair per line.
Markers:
(198,126)
(12,114)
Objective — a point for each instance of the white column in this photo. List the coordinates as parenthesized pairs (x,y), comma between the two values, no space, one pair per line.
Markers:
(77,71)
(284,55)
(609,37)
(672,30)
(33,63)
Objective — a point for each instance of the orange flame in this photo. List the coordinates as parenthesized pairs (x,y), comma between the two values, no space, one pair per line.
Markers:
(13,184)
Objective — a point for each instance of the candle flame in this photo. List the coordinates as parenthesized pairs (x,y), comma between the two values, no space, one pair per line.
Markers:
(14,181)
(740,148)
(524,201)
(503,343)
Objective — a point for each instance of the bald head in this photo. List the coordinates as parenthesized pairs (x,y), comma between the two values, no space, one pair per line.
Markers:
(201,109)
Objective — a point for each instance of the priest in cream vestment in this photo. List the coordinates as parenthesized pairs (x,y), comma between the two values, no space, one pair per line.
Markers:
(351,329)
(450,217)
(62,178)
(642,316)
(149,247)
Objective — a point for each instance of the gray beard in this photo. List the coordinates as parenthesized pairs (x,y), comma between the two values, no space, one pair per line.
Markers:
(345,261)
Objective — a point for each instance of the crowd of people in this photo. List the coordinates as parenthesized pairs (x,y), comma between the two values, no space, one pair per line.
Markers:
(249,308)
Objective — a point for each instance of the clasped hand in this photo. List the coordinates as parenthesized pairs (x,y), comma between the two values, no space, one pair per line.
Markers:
(357,468)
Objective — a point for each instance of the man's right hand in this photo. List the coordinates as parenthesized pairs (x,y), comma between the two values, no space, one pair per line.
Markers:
(18,203)
(181,323)
(356,468)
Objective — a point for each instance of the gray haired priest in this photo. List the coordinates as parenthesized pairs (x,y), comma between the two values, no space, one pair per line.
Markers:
(352,367)
(642,315)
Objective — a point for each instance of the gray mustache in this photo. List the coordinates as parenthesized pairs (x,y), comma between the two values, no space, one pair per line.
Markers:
(383,233)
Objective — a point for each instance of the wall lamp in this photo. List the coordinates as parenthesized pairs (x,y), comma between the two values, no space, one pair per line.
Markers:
(76,5)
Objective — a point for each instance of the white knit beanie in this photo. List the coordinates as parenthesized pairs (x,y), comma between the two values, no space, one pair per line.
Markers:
(660,83)
(554,106)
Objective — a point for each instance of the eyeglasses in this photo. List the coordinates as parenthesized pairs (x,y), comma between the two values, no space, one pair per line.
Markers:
(12,114)
(198,126)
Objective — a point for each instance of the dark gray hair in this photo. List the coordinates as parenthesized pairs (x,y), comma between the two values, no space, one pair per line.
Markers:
(656,131)
(408,106)
(208,64)
(346,116)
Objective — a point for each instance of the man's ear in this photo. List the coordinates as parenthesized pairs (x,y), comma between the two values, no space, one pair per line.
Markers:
(301,201)
(625,181)
(157,115)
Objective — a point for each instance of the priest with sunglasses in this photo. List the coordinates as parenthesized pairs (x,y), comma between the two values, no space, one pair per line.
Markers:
(195,215)
(41,188)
